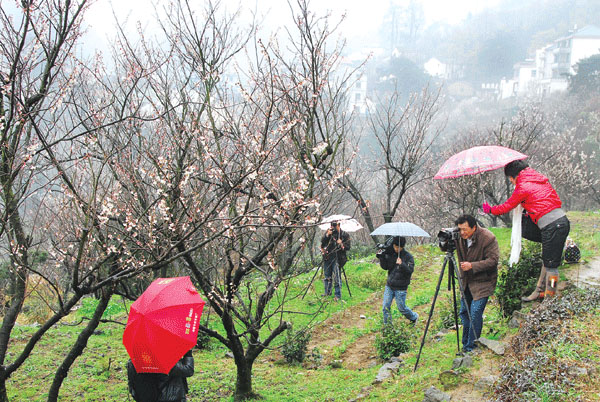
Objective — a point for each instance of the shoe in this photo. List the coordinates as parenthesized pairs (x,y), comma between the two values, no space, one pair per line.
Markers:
(538,293)
(414,322)
(551,283)
(336,299)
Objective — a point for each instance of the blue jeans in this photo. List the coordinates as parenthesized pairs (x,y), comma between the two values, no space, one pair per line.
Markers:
(400,295)
(471,329)
(331,271)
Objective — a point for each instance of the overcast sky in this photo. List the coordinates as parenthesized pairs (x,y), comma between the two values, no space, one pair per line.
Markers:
(363,17)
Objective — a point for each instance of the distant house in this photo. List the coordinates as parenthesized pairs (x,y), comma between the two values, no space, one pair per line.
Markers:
(569,50)
(446,71)
(358,101)
(548,72)
(436,68)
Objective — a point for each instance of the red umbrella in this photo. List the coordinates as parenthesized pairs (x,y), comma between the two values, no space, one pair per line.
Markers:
(477,160)
(163,324)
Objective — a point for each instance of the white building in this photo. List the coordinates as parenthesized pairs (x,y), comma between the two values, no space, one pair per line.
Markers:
(569,50)
(553,64)
(358,101)
(436,68)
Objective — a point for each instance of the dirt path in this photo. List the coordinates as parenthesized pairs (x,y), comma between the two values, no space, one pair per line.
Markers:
(361,353)
(585,275)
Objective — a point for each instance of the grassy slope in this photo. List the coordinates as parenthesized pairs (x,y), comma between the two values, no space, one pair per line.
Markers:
(99,375)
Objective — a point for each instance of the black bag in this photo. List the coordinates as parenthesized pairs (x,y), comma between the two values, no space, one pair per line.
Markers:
(144,387)
(572,252)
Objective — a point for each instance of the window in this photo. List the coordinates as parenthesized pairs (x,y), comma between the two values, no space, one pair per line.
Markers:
(357,97)
(358,84)
(533,73)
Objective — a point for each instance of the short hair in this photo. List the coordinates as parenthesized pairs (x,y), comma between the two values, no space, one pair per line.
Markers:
(513,168)
(399,241)
(470,219)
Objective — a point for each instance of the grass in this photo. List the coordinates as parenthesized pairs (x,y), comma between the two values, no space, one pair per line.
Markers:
(100,375)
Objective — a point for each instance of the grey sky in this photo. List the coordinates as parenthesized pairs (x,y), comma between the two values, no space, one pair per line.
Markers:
(363,17)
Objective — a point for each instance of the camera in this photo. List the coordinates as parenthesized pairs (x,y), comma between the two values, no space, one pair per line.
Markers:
(447,239)
(386,247)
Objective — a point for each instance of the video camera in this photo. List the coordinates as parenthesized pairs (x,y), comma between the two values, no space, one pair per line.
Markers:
(386,247)
(447,239)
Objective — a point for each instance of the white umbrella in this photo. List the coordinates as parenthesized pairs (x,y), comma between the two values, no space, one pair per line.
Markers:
(400,229)
(347,223)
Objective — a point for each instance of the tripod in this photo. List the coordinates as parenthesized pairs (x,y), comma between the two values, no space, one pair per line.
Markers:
(342,271)
(453,276)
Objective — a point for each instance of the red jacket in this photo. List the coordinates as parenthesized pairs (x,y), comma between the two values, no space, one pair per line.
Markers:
(534,192)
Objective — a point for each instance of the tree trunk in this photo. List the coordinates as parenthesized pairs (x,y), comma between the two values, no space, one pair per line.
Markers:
(3,395)
(243,384)
(79,346)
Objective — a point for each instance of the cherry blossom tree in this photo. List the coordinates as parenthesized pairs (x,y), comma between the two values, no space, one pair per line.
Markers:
(404,135)
(60,228)
(229,175)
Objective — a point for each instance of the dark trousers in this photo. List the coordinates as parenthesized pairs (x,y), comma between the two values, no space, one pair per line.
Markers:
(331,272)
(553,237)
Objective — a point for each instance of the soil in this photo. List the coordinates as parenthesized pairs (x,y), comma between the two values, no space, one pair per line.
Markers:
(361,353)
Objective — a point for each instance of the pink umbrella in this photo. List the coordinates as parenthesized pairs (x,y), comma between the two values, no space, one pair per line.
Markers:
(477,160)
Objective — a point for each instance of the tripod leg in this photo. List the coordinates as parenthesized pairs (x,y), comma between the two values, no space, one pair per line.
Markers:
(311,281)
(437,290)
(454,268)
(346,278)
(455,311)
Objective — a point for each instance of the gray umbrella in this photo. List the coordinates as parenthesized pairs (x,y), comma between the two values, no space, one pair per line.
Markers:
(400,229)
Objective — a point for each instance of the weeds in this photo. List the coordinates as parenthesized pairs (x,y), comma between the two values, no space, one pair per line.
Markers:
(396,337)
(294,349)
(523,275)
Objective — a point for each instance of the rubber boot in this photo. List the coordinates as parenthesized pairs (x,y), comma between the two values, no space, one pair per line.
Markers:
(551,283)
(538,292)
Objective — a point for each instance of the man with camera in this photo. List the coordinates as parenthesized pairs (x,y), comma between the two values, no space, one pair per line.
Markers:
(334,244)
(478,255)
(400,265)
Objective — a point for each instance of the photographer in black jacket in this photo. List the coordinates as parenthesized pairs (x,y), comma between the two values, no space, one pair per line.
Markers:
(400,265)
(334,244)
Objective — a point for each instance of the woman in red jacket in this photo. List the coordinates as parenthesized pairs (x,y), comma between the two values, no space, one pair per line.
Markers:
(543,206)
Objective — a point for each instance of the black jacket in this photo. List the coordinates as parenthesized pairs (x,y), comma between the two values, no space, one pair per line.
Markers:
(398,274)
(151,387)
(332,249)
(175,387)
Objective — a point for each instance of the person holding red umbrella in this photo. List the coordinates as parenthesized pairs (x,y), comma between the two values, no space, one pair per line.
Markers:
(546,220)
(161,330)
(156,387)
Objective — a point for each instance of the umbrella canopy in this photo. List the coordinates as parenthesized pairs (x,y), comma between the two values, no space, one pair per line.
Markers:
(400,229)
(477,160)
(163,324)
(347,223)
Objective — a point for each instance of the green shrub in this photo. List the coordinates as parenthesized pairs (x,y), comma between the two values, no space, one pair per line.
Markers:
(315,358)
(373,280)
(396,337)
(523,275)
(295,346)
